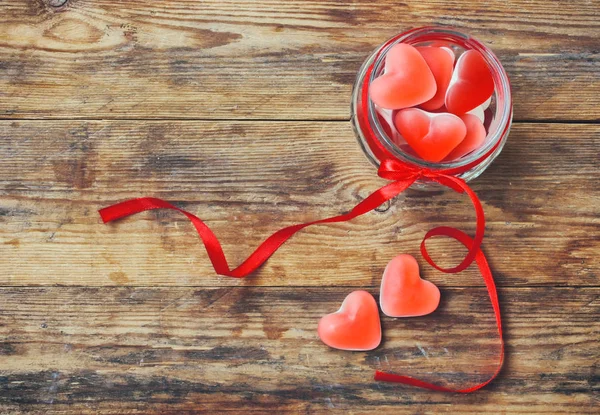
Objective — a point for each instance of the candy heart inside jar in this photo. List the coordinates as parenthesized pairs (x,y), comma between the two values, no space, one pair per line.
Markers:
(472,92)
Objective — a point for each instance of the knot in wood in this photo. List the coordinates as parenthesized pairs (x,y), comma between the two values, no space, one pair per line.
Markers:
(56,3)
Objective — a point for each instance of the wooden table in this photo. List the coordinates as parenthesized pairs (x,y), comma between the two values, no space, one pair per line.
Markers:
(239,112)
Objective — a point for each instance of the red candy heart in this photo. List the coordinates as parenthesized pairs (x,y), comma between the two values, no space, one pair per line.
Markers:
(441,63)
(473,140)
(404,293)
(471,84)
(432,136)
(407,80)
(355,326)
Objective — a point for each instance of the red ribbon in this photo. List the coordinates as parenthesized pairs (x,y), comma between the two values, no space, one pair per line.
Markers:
(402,175)
(486,273)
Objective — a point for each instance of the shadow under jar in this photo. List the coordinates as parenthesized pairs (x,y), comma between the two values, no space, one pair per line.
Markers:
(367,118)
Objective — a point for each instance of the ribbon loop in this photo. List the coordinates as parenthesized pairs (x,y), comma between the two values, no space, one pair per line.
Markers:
(460,186)
(393,169)
(402,176)
(486,273)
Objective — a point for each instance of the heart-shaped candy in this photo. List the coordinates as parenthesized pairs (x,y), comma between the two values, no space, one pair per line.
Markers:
(471,84)
(473,140)
(441,63)
(404,293)
(432,136)
(407,80)
(355,326)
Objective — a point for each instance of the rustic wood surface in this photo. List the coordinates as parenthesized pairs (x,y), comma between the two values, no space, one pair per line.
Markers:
(268,60)
(240,349)
(238,112)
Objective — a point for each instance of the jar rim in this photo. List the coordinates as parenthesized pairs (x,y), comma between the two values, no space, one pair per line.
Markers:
(503,112)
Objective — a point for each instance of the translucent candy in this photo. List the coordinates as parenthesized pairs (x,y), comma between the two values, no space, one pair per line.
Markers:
(473,140)
(404,293)
(471,84)
(407,80)
(480,110)
(441,63)
(355,326)
(432,135)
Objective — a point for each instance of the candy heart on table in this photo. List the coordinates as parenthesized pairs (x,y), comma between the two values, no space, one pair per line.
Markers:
(355,326)
(407,80)
(404,293)
(432,136)
(474,138)
(471,84)
(441,64)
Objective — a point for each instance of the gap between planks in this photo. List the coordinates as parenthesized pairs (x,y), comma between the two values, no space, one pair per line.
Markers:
(260,287)
(263,120)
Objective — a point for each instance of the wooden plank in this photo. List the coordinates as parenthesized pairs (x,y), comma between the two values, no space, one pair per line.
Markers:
(167,350)
(267,60)
(247,180)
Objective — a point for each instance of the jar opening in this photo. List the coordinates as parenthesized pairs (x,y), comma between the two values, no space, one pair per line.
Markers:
(501,106)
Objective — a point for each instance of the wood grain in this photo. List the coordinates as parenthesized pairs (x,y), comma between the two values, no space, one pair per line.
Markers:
(249,179)
(246,349)
(268,60)
(105,100)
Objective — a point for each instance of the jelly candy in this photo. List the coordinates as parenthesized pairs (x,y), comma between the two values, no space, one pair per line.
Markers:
(407,80)
(450,51)
(355,326)
(403,292)
(441,64)
(474,139)
(432,136)
(471,84)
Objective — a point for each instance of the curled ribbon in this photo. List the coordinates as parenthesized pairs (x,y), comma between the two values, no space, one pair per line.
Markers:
(402,176)
(486,273)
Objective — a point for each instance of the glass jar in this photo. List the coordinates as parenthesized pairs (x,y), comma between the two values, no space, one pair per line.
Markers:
(376,141)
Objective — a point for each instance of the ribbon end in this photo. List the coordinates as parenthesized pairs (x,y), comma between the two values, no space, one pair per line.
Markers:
(104,216)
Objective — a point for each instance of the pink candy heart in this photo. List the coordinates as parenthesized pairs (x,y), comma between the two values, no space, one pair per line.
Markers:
(432,136)
(355,326)
(404,293)
(474,138)
(407,80)
(441,63)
